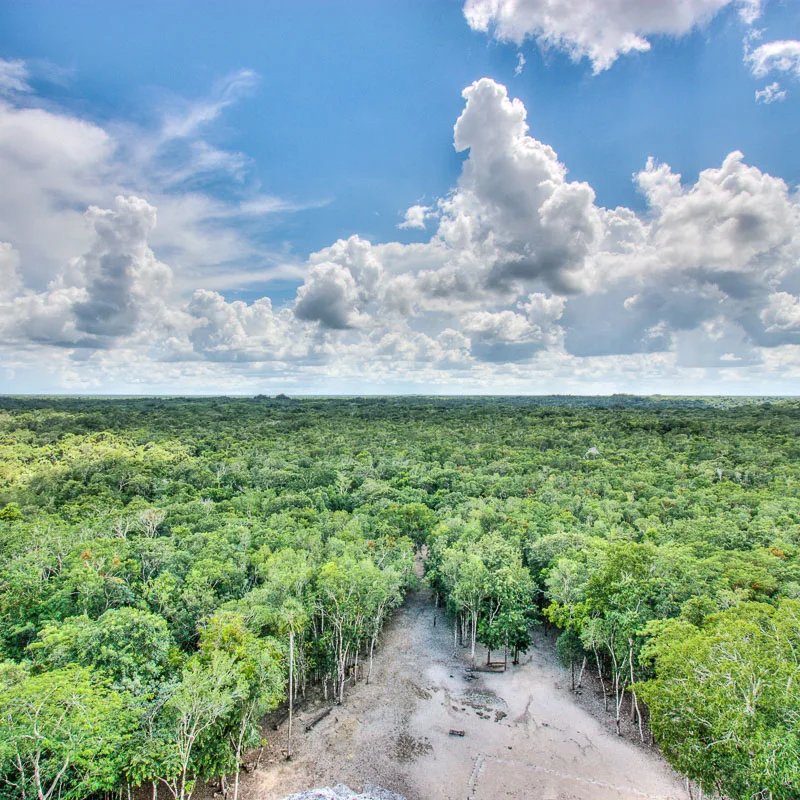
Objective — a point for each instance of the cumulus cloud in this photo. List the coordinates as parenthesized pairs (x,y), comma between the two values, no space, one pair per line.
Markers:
(54,164)
(122,277)
(329,296)
(508,335)
(524,277)
(600,30)
(237,331)
(110,292)
(705,257)
(735,226)
(514,212)
(9,271)
(342,281)
(782,312)
(415,217)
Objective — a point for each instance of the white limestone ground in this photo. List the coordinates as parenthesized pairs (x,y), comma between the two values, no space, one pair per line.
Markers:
(525,736)
(342,792)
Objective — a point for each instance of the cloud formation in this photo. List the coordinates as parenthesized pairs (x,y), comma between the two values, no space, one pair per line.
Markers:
(54,165)
(772,93)
(415,217)
(112,291)
(779,56)
(599,30)
(523,277)
(13,76)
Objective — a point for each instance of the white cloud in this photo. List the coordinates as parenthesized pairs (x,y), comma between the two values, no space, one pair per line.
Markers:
(772,93)
(116,289)
(10,282)
(329,296)
(240,332)
(750,10)
(658,184)
(543,310)
(186,122)
(520,65)
(620,283)
(13,76)
(53,165)
(501,326)
(782,313)
(508,336)
(780,56)
(415,217)
(122,277)
(525,277)
(514,216)
(734,226)
(600,30)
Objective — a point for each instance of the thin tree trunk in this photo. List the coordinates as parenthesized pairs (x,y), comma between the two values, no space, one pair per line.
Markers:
(183,783)
(602,682)
(639,717)
(291,697)
(474,632)
(580,677)
(371,648)
(635,703)
(342,675)
(619,694)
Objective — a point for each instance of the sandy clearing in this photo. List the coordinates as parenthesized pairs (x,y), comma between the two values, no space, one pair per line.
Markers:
(525,735)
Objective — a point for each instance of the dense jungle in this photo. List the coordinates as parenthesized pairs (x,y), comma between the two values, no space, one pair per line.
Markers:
(174,569)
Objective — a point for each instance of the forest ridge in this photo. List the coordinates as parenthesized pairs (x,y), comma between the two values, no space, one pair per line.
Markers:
(169,567)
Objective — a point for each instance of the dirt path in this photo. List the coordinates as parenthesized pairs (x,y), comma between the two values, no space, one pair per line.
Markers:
(525,737)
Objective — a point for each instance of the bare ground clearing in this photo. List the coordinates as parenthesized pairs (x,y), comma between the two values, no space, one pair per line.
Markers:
(525,736)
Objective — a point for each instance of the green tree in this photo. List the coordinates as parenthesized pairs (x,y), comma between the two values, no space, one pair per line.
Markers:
(725,702)
(129,645)
(259,685)
(62,734)
(208,691)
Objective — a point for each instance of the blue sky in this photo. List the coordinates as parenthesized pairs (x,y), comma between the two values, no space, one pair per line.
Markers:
(245,139)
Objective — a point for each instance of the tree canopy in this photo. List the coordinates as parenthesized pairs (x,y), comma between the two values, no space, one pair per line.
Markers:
(169,566)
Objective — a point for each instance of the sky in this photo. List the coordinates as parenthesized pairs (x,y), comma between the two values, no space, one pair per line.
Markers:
(416,196)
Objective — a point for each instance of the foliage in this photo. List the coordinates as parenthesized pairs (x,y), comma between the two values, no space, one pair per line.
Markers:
(726,701)
(160,558)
